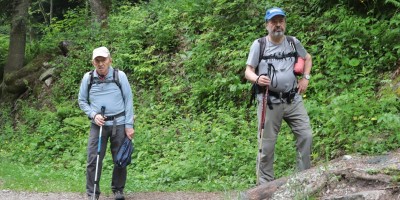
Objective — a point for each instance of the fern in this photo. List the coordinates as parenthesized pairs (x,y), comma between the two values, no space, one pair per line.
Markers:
(394,2)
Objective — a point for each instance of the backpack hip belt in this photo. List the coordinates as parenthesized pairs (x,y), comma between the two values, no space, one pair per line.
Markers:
(289,96)
(110,118)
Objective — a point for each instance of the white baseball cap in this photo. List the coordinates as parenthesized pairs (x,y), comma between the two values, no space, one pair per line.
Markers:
(101,51)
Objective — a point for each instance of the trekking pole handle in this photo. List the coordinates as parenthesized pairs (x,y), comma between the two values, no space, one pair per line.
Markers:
(103,110)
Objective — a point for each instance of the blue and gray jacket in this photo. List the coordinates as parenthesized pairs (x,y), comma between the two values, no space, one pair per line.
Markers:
(107,93)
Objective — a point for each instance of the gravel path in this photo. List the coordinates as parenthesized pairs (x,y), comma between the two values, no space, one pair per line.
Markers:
(13,195)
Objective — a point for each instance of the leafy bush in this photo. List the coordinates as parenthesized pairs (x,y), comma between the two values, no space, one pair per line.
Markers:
(185,61)
(4,41)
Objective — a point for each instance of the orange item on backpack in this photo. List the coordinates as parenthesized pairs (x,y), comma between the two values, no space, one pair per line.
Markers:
(299,66)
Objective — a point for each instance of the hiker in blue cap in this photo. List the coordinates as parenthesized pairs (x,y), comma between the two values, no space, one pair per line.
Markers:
(278,88)
(106,89)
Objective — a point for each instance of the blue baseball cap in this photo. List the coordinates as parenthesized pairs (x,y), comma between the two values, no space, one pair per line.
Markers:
(272,12)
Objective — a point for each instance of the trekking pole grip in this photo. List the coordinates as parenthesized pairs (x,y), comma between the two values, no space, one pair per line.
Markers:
(103,110)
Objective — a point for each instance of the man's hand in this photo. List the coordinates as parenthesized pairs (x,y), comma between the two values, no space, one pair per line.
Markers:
(302,85)
(263,81)
(99,120)
(130,133)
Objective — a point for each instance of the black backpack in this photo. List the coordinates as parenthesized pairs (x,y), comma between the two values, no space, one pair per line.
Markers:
(115,80)
(263,42)
(255,89)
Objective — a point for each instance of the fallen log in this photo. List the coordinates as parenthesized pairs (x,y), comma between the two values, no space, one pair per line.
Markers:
(264,191)
(362,175)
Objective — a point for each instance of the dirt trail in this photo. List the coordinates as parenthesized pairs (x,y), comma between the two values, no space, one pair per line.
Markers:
(13,195)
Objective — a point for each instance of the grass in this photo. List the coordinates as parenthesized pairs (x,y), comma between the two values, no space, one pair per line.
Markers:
(45,179)
(40,178)
(37,178)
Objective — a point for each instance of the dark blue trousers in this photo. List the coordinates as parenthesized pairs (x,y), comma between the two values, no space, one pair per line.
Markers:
(116,139)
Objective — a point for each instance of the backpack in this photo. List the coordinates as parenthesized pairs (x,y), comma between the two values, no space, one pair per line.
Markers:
(115,80)
(255,89)
(294,53)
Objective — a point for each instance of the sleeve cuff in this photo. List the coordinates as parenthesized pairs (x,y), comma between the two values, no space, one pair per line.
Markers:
(129,126)
(92,115)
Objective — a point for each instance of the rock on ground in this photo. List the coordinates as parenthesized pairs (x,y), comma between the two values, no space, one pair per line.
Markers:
(349,178)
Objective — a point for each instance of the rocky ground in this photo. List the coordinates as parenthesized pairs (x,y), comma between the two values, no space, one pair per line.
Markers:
(348,178)
(351,177)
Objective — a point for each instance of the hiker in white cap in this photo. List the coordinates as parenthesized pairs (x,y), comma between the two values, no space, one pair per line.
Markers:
(106,89)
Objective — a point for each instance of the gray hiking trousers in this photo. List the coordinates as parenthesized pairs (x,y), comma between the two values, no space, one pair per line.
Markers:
(297,118)
(116,139)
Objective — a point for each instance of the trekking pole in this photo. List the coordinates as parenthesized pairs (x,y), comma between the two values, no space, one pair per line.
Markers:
(261,132)
(103,109)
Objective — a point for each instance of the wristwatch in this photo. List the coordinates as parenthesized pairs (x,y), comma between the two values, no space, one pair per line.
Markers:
(307,76)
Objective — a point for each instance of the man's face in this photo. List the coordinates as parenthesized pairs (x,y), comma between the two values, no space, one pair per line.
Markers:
(276,26)
(102,64)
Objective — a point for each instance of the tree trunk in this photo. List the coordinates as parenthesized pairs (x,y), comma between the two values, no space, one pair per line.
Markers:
(51,11)
(16,50)
(100,9)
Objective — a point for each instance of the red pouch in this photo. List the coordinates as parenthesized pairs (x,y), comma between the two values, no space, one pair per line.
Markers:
(299,67)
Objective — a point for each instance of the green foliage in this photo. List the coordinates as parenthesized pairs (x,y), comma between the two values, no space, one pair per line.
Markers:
(51,137)
(394,2)
(367,119)
(4,42)
(382,9)
(185,61)
(193,151)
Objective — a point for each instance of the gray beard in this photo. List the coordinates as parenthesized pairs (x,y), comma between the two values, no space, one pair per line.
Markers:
(278,34)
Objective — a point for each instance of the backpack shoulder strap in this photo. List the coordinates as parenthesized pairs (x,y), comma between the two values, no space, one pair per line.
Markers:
(293,45)
(90,82)
(262,41)
(90,79)
(290,39)
(291,42)
(116,78)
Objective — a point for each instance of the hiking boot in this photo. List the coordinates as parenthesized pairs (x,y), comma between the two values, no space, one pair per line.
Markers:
(91,198)
(119,195)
